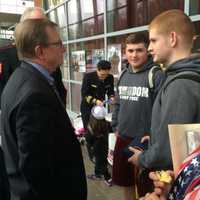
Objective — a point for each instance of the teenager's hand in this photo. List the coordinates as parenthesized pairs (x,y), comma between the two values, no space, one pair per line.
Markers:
(145,138)
(134,158)
(153,196)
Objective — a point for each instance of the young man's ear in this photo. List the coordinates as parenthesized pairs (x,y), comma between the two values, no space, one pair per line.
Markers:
(173,39)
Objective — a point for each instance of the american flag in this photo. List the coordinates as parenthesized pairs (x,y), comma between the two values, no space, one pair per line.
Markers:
(187,180)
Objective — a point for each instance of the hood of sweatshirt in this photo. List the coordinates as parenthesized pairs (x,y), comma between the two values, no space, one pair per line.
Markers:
(188,64)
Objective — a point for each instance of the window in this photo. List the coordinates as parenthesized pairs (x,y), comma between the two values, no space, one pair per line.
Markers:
(83,57)
(194,7)
(100,6)
(117,19)
(155,7)
(76,97)
(75,31)
(61,16)
(116,54)
(88,27)
(87,9)
(73,11)
(63,34)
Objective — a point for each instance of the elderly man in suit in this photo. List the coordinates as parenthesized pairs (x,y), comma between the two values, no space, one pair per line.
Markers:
(42,154)
(9,60)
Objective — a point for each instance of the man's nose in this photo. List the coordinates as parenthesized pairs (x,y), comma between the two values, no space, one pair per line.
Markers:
(149,48)
(134,53)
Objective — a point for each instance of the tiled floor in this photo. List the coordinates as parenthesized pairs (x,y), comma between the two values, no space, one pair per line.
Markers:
(98,190)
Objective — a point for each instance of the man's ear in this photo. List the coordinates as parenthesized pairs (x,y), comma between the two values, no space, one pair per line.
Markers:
(173,39)
(39,52)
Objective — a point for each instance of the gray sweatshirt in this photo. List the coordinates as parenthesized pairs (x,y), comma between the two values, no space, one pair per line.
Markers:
(134,99)
(178,102)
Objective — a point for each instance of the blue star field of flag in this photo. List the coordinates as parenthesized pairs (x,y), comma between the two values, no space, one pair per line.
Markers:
(187,177)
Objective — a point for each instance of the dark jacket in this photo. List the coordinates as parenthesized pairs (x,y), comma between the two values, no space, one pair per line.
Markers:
(9,62)
(4,184)
(177,103)
(134,100)
(93,88)
(42,154)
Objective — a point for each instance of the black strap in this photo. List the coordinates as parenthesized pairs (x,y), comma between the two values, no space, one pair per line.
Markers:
(194,76)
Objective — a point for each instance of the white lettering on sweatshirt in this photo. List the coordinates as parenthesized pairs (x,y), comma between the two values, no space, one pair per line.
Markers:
(133,93)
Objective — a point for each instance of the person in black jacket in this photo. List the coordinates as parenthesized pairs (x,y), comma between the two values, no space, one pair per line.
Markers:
(42,154)
(95,86)
(8,63)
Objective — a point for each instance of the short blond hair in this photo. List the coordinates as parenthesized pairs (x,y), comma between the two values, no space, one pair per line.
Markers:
(177,21)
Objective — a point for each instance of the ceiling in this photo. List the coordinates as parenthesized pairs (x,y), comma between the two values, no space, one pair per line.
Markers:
(8,20)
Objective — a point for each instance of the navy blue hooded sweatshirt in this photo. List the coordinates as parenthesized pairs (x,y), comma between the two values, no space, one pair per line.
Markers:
(178,102)
(132,111)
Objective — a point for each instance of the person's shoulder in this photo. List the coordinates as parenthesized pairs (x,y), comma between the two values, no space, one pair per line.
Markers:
(8,48)
(90,75)
(157,71)
(93,73)
(123,72)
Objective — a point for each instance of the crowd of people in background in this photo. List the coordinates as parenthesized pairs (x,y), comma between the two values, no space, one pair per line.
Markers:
(43,158)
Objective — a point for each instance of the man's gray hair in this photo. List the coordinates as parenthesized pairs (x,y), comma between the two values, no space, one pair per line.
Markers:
(30,33)
(28,12)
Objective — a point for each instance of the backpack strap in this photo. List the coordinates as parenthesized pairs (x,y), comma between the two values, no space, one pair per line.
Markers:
(151,75)
(194,76)
(120,76)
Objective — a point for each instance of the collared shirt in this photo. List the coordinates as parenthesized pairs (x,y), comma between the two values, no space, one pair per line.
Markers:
(49,78)
(43,71)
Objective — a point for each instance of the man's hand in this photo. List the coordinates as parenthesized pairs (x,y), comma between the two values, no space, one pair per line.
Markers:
(153,196)
(161,188)
(112,100)
(145,138)
(134,158)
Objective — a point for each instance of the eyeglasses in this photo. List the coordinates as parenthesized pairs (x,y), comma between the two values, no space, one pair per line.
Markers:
(56,44)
